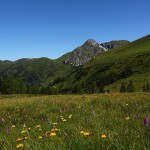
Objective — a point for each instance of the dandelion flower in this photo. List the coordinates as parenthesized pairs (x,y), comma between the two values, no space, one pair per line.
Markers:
(19,145)
(39,137)
(38,126)
(64,120)
(55,123)
(13,126)
(55,130)
(19,140)
(81,132)
(24,131)
(86,134)
(127,118)
(70,116)
(61,117)
(52,134)
(103,136)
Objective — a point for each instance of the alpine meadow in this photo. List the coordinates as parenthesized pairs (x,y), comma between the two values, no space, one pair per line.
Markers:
(111,109)
(74,75)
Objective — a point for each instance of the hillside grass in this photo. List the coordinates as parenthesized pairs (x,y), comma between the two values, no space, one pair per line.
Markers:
(139,46)
(109,68)
(37,71)
(138,81)
(108,121)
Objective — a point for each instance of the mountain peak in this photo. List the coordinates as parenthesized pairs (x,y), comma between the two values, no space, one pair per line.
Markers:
(84,53)
(90,41)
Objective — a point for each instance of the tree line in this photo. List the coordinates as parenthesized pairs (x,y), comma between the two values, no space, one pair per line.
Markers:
(11,85)
(129,87)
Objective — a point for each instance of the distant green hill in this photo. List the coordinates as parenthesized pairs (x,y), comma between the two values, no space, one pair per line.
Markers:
(108,70)
(40,71)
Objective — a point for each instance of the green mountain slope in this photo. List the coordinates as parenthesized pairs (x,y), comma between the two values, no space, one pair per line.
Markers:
(43,71)
(106,71)
(114,44)
(110,68)
(40,71)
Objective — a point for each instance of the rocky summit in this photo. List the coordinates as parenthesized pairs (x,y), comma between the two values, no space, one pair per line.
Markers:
(83,54)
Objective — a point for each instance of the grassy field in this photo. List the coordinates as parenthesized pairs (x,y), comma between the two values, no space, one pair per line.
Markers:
(75,122)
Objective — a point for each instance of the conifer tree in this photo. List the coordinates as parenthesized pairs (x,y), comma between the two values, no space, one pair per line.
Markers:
(123,87)
(130,87)
(147,87)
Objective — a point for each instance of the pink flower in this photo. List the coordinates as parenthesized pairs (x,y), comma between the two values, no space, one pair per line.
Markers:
(146,122)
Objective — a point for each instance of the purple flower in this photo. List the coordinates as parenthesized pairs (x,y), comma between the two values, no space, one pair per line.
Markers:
(146,122)
(7,129)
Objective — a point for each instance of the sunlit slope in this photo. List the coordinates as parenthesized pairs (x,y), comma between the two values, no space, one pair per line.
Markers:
(129,62)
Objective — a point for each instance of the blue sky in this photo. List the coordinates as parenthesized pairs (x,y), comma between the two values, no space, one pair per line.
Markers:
(50,28)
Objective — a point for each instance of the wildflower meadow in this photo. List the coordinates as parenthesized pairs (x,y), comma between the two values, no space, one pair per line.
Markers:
(75,122)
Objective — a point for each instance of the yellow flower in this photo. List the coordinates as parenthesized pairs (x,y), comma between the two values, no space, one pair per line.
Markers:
(103,136)
(55,130)
(86,134)
(52,134)
(19,145)
(81,132)
(61,117)
(13,126)
(127,118)
(70,116)
(55,123)
(39,137)
(24,131)
(38,126)
(64,120)
(19,140)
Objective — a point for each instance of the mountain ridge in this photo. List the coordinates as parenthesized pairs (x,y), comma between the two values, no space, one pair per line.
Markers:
(90,49)
(129,62)
(90,42)
(110,66)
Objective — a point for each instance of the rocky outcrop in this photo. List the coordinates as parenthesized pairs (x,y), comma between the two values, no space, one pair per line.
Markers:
(90,49)
(85,53)
(114,44)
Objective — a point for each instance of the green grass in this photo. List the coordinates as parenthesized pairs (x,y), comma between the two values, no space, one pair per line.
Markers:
(97,114)
(35,71)
(109,67)
(138,81)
